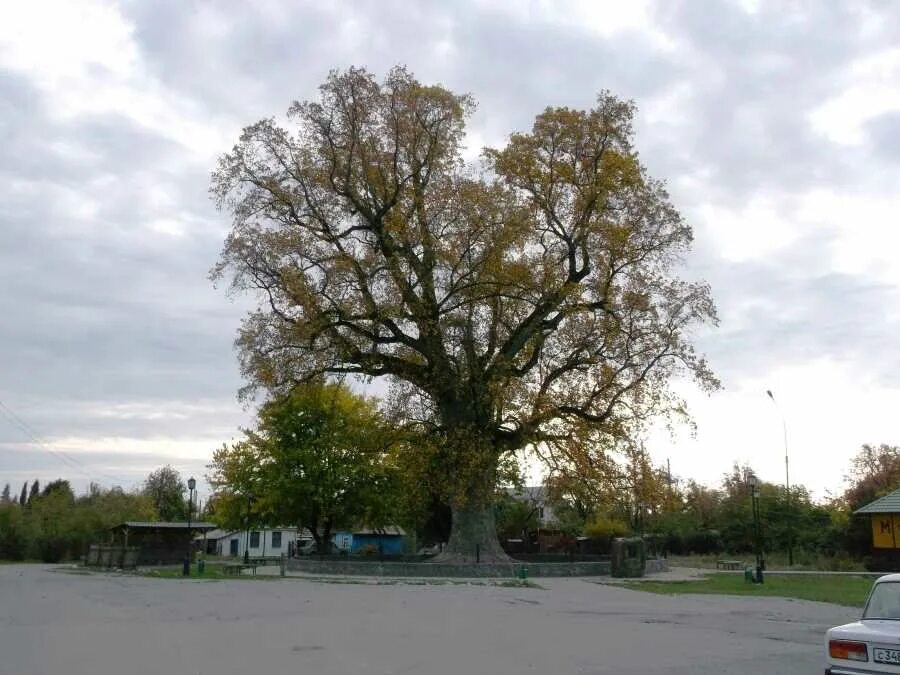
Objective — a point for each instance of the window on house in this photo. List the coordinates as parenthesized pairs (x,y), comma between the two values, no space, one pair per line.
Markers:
(254,540)
(276,540)
(541,513)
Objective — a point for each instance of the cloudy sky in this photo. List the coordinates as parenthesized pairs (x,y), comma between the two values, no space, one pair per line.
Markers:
(776,125)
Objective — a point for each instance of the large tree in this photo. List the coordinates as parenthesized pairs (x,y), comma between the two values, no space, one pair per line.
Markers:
(526,299)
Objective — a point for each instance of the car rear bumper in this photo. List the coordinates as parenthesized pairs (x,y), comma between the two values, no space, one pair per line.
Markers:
(842,670)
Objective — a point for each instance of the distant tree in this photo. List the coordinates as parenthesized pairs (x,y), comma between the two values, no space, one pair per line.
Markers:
(13,532)
(874,472)
(35,491)
(166,490)
(58,485)
(701,505)
(5,498)
(23,496)
(50,516)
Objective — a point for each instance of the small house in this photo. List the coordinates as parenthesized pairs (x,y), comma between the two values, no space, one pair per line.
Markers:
(388,540)
(884,514)
(257,543)
(534,496)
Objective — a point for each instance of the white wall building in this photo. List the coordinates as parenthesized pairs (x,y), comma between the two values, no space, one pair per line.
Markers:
(263,543)
(536,497)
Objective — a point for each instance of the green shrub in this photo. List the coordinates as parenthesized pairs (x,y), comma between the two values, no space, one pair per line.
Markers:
(13,537)
(603,529)
(703,542)
(52,548)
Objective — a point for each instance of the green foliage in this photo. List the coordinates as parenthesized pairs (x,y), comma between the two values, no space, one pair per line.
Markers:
(56,525)
(166,489)
(606,528)
(34,492)
(516,519)
(843,590)
(13,532)
(319,458)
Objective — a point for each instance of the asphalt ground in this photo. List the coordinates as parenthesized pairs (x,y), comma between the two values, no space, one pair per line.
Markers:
(55,621)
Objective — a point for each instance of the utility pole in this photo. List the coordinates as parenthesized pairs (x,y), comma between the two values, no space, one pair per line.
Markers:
(787,482)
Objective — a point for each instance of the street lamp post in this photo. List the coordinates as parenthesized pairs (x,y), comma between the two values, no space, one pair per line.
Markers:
(247,547)
(787,482)
(186,569)
(753,481)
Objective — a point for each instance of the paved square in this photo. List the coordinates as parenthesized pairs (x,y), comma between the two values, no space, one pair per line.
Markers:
(53,622)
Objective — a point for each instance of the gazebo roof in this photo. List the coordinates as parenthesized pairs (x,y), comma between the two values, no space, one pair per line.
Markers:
(162,525)
(890,503)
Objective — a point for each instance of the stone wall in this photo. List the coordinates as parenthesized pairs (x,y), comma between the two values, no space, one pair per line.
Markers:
(409,569)
(376,568)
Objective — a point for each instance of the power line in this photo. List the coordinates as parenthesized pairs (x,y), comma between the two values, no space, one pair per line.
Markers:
(34,437)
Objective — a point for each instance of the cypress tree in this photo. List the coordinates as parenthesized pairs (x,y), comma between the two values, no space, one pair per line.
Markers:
(35,491)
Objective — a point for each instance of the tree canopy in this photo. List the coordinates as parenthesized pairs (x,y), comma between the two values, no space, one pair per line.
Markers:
(166,489)
(319,459)
(529,298)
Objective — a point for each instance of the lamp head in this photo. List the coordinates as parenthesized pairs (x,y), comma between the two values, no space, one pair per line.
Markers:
(191,483)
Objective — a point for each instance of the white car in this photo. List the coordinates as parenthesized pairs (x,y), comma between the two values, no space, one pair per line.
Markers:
(871,645)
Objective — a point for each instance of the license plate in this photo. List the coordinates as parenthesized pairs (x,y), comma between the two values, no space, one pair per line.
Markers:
(886,655)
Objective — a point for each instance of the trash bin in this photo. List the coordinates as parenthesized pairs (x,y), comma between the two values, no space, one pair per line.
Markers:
(201,566)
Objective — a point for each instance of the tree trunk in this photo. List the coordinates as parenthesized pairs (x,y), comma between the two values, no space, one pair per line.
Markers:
(473,536)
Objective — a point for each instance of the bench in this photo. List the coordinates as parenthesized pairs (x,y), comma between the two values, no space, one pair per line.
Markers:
(237,569)
(729,565)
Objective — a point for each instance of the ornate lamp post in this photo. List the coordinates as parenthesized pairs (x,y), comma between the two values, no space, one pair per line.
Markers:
(186,569)
(247,548)
(753,482)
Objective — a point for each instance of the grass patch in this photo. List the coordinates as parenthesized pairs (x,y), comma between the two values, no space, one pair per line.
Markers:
(211,573)
(216,573)
(809,562)
(840,590)
(371,581)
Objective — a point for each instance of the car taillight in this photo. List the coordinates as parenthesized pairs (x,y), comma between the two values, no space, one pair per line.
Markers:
(852,651)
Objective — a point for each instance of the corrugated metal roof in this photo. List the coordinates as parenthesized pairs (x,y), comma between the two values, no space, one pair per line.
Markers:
(887,504)
(162,525)
(221,534)
(391,530)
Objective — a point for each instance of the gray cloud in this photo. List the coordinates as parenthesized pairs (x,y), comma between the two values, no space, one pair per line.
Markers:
(99,309)
(790,308)
(111,330)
